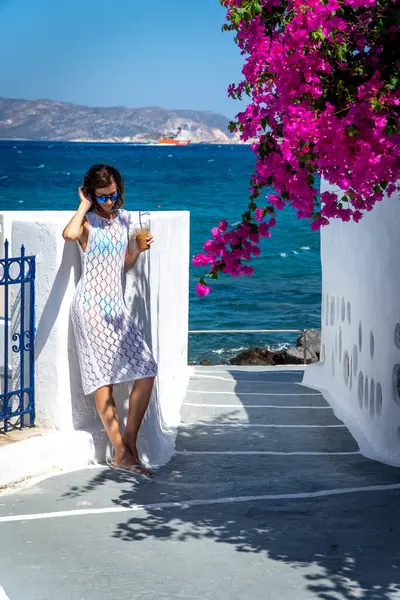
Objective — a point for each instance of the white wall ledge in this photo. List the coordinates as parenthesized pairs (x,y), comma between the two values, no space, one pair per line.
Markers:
(156,294)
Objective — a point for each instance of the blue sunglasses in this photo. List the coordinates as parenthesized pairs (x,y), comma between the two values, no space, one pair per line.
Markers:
(112,197)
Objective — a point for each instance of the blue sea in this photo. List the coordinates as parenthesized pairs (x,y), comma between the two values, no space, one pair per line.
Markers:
(212,183)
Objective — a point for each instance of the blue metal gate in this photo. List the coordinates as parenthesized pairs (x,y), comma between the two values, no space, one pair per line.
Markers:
(17,326)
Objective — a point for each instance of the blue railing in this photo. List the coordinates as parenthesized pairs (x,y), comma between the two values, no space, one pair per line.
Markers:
(17,320)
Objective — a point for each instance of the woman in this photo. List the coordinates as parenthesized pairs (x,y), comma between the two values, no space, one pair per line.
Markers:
(111,350)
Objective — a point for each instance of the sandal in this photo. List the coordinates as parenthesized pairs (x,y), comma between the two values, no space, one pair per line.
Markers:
(138,465)
(140,470)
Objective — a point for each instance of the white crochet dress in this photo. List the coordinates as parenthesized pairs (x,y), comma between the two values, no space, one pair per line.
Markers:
(110,348)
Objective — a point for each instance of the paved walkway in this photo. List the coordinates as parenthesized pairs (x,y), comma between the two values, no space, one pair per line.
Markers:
(266,498)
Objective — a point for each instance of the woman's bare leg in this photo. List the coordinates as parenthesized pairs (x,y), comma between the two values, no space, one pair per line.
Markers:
(107,410)
(138,402)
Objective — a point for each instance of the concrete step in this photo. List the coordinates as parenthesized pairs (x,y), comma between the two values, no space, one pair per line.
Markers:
(254,371)
(272,416)
(203,477)
(249,386)
(200,437)
(232,475)
(35,452)
(263,399)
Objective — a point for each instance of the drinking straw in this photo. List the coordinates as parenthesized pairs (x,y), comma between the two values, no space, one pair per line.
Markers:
(145,212)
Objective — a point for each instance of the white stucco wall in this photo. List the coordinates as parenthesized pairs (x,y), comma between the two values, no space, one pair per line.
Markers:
(359,372)
(157,295)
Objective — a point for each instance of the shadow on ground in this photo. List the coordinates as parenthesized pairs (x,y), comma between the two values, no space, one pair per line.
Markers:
(344,545)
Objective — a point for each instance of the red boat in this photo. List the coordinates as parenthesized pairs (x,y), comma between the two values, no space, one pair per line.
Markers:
(164,141)
(174,139)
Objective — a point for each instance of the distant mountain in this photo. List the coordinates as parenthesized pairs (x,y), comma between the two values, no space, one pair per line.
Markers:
(49,120)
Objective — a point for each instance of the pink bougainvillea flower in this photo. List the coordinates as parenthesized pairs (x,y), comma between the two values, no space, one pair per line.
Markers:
(246,270)
(202,290)
(259,214)
(201,260)
(300,128)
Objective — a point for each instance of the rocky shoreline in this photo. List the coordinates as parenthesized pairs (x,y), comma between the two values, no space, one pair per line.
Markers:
(49,120)
(287,356)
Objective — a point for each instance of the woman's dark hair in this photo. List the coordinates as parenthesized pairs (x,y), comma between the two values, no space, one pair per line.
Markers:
(101,176)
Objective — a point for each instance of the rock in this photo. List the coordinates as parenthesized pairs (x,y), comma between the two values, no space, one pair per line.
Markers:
(205,363)
(295,356)
(313,339)
(263,356)
(257,356)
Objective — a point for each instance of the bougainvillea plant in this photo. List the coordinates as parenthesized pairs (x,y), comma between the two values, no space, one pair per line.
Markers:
(322,80)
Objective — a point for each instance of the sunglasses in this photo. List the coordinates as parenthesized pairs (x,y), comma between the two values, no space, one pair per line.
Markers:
(112,197)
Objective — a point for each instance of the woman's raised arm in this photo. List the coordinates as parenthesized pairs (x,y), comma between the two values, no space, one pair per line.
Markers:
(74,230)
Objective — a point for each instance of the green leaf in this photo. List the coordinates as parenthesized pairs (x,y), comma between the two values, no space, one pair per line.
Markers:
(352,131)
(310,179)
(376,104)
(342,51)
(318,35)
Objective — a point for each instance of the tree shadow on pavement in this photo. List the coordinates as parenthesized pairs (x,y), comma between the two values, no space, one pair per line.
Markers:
(338,560)
(344,545)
